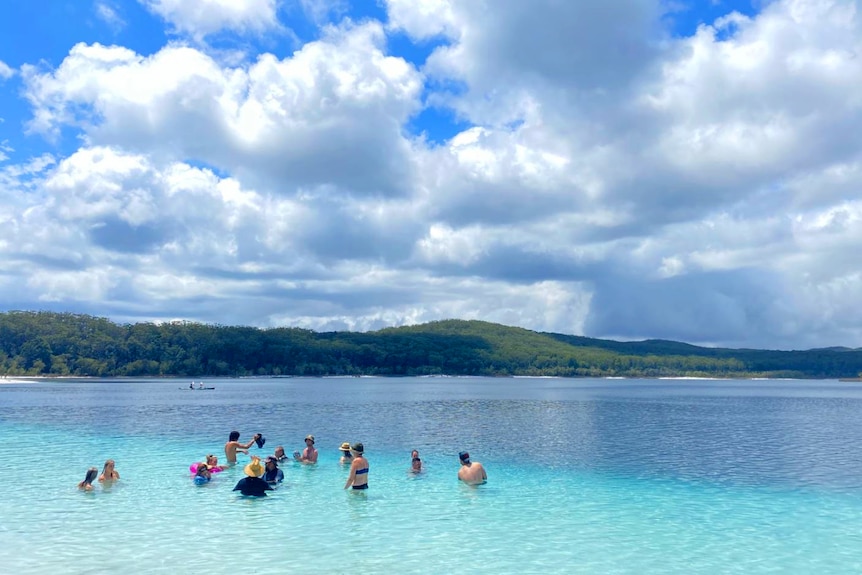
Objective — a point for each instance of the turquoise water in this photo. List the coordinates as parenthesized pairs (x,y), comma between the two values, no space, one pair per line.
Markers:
(585,476)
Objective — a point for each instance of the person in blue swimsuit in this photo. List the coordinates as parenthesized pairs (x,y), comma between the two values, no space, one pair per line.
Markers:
(358,477)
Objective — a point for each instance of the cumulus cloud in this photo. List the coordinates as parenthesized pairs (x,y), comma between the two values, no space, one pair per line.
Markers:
(610,179)
(280,122)
(204,17)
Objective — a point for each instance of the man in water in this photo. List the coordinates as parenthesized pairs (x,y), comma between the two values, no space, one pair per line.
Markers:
(309,454)
(471,473)
(279,454)
(233,445)
(271,473)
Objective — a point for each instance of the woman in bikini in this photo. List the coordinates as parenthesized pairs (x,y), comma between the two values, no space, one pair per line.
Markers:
(358,477)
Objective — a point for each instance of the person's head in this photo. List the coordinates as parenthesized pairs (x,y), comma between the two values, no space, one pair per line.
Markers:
(91,475)
(212,460)
(414,454)
(309,440)
(464,457)
(345,449)
(203,470)
(234,436)
(357,448)
(254,469)
(417,464)
(271,463)
(279,451)
(109,466)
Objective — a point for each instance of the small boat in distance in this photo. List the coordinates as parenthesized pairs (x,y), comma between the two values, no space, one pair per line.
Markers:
(199,387)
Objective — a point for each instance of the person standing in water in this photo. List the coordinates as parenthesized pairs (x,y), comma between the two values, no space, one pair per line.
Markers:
(358,477)
(346,457)
(108,472)
(233,445)
(309,454)
(471,473)
(415,462)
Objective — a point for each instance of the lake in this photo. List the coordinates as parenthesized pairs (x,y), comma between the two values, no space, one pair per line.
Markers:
(585,476)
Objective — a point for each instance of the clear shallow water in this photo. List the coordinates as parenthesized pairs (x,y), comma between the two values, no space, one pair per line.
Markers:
(585,476)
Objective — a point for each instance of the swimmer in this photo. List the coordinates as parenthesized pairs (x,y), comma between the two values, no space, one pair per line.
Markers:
(346,457)
(415,462)
(203,474)
(87,484)
(309,454)
(358,477)
(108,472)
(252,484)
(212,464)
(233,445)
(271,473)
(471,473)
(279,454)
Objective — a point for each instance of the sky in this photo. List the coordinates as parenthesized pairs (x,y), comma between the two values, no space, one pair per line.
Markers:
(622,169)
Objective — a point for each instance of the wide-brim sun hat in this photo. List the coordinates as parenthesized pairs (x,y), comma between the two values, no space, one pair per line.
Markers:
(254,469)
(345,446)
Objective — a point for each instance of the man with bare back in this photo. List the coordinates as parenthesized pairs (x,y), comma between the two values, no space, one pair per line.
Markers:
(233,445)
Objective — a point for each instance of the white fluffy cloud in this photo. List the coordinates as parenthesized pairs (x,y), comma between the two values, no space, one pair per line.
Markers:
(200,18)
(609,179)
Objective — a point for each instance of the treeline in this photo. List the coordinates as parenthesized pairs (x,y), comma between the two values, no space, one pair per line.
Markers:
(45,343)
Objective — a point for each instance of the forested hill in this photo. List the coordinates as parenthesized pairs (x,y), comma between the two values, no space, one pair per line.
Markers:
(43,343)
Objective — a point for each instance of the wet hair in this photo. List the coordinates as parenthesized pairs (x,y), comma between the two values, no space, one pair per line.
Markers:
(202,469)
(92,473)
(234,435)
(108,462)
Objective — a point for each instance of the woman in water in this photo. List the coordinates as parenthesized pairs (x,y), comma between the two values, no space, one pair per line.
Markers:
(415,463)
(346,457)
(108,472)
(358,477)
(212,464)
(87,484)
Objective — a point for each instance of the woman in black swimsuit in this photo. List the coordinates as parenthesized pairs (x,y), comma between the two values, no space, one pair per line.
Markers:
(358,477)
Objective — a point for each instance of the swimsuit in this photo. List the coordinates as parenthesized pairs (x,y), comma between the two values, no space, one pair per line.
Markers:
(363,486)
(361,471)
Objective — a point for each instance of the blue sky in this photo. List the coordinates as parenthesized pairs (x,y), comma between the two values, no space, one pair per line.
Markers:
(625,169)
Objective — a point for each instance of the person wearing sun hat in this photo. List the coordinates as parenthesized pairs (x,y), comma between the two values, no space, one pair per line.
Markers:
(471,472)
(309,454)
(346,457)
(252,484)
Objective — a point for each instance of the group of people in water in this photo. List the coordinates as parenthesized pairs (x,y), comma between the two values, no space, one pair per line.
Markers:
(262,477)
(108,475)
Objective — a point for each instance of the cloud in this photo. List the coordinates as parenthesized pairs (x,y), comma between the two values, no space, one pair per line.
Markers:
(109,15)
(5,71)
(202,18)
(281,123)
(606,178)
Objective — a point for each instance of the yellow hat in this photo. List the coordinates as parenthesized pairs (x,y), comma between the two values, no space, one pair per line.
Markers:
(254,469)
(345,446)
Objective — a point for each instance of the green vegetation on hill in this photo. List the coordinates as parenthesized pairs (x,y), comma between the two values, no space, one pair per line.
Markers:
(44,343)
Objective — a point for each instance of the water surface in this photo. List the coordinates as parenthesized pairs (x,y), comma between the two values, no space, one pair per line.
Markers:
(585,476)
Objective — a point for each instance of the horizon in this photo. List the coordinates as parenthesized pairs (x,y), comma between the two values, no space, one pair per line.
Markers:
(614,169)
